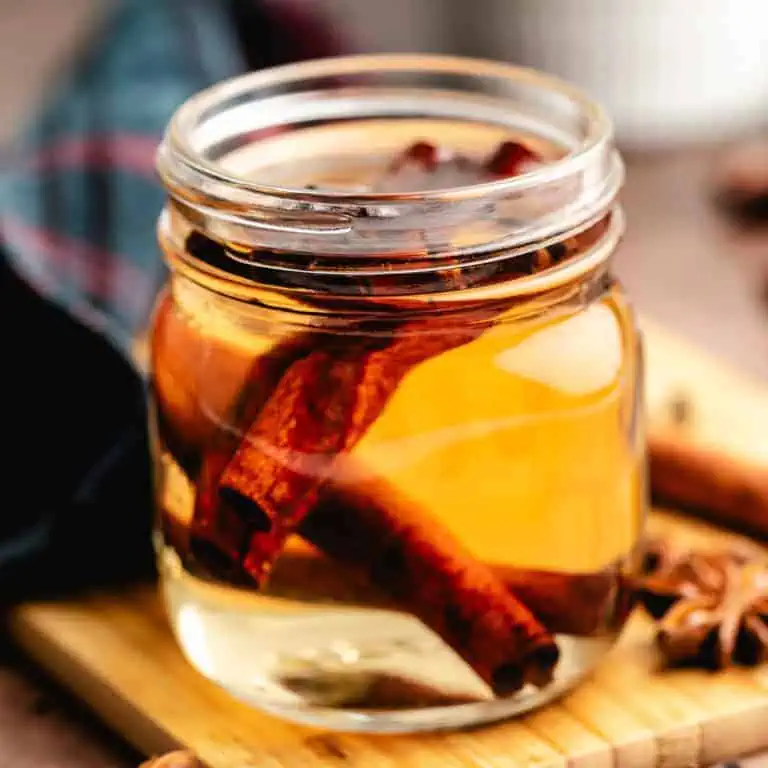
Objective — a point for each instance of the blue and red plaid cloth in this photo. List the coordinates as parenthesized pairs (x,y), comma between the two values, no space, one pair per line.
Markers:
(79,199)
(79,204)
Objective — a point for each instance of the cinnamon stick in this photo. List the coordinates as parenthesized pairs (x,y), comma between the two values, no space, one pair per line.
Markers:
(320,409)
(348,528)
(326,401)
(220,533)
(427,571)
(194,380)
(323,404)
(566,603)
(716,485)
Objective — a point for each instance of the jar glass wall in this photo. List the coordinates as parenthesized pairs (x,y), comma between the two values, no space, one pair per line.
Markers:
(396,405)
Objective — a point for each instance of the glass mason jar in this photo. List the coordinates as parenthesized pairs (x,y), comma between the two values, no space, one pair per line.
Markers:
(396,403)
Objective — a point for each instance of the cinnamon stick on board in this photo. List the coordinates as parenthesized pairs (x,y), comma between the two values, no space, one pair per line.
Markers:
(723,488)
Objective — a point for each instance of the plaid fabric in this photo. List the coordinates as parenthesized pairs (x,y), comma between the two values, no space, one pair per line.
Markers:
(79,271)
(79,202)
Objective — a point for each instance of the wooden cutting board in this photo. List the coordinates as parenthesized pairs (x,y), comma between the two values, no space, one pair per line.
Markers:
(116,652)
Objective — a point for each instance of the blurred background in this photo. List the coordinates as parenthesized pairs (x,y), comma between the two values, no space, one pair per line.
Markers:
(685,81)
(36,38)
(669,71)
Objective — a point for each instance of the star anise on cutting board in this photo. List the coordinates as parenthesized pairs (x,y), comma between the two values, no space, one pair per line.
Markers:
(711,607)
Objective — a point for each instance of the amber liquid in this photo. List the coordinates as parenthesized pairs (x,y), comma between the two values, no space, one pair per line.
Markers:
(521,443)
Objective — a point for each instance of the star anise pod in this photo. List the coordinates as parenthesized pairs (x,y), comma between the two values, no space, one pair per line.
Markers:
(711,607)
(671,573)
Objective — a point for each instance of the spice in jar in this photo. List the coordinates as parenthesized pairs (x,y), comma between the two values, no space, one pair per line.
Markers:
(395,399)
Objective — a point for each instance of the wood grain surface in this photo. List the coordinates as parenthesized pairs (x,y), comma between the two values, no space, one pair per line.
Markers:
(42,726)
(115,651)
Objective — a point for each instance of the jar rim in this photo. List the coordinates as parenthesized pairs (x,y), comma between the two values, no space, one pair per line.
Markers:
(475,100)
(177,147)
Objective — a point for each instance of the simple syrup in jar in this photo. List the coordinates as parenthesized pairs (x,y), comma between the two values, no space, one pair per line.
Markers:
(396,404)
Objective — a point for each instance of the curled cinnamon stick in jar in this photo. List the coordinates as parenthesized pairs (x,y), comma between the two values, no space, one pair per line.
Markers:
(194,381)
(335,566)
(427,571)
(565,603)
(321,408)
(220,533)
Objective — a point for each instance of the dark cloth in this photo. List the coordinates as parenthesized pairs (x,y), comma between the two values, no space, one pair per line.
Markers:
(79,272)
(76,473)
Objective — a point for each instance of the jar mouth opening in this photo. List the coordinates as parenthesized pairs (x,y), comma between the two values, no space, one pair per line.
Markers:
(230,152)
(191,139)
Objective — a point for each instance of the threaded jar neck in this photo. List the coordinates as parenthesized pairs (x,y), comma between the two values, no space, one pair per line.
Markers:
(235,159)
